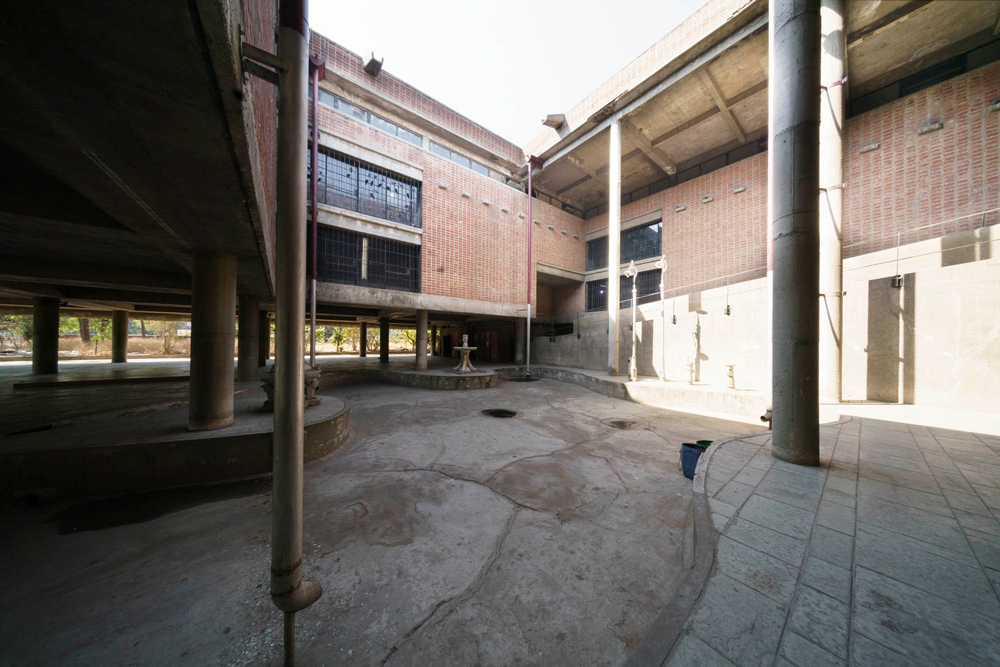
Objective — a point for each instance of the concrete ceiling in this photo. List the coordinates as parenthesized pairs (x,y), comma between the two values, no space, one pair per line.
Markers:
(116,160)
(723,104)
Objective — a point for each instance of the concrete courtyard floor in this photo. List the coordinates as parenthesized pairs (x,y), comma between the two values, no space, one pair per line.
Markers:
(886,554)
(441,537)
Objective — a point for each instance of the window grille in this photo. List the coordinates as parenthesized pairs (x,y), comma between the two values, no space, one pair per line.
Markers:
(349,183)
(647,285)
(350,258)
(636,243)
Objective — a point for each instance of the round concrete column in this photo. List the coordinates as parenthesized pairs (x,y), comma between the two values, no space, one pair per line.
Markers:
(421,340)
(45,336)
(119,336)
(248,343)
(383,340)
(831,200)
(213,332)
(263,338)
(795,325)
(364,340)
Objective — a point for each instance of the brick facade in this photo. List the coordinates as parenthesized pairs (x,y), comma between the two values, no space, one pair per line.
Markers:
(951,176)
(471,249)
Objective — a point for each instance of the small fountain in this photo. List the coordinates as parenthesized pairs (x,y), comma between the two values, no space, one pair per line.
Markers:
(465,366)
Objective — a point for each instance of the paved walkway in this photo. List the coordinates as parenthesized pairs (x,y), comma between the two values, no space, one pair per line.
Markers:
(886,554)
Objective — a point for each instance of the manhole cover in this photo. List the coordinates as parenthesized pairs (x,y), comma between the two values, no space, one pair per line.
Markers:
(620,424)
(499,413)
(523,378)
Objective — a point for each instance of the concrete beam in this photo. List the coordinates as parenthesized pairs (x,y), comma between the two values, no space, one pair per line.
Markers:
(580,164)
(91,275)
(391,301)
(720,102)
(642,142)
(890,19)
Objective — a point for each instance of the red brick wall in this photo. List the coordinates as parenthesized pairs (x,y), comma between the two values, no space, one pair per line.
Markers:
(351,66)
(950,176)
(472,250)
(707,242)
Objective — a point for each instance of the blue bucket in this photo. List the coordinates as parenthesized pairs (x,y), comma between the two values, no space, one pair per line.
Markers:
(690,452)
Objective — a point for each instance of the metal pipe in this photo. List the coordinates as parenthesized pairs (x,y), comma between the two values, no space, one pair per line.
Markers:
(662,266)
(614,241)
(313,214)
(288,591)
(532,163)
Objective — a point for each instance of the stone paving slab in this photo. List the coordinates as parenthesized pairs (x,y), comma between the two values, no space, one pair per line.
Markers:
(888,553)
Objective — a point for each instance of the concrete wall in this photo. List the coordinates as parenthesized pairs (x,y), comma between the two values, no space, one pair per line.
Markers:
(703,335)
(935,341)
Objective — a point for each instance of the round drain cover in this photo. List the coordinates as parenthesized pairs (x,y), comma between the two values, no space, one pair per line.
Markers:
(499,413)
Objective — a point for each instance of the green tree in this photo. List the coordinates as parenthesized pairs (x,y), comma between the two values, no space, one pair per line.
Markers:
(167,331)
(102,332)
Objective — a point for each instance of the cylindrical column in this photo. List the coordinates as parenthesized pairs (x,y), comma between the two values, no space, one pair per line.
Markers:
(288,591)
(263,338)
(383,340)
(45,336)
(518,342)
(364,339)
(248,343)
(795,350)
(119,336)
(614,241)
(831,199)
(213,332)
(421,340)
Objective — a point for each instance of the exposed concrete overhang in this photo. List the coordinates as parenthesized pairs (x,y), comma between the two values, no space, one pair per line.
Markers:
(392,301)
(548,274)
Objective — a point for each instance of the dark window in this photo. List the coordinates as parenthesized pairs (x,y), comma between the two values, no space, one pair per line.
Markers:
(641,242)
(354,259)
(597,295)
(349,183)
(480,169)
(597,253)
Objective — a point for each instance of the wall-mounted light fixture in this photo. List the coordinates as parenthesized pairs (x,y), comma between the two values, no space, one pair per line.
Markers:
(707,199)
(680,207)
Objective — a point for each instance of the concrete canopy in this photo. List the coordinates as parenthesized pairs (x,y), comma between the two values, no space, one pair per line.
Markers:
(713,98)
(118,157)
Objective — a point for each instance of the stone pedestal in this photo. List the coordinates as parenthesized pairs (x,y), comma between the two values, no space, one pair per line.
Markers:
(311,378)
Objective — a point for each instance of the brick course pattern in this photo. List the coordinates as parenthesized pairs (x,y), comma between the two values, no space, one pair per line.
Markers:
(351,66)
(942,181)
(471,249)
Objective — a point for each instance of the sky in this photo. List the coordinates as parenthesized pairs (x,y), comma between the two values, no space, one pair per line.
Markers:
(504,64)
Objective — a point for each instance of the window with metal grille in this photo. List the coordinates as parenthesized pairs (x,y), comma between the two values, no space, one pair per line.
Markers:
(348,183)
(350,258)
(647,285)
(641,242)
(597,253)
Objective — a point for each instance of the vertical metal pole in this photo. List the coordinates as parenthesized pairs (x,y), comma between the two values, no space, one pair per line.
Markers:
(662,266)
(531,271)
(614,241)
(768,361)
(313,212)
(288,591)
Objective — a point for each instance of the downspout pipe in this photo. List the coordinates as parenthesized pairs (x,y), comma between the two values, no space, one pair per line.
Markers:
(289,592)
(533,163)
(317,71)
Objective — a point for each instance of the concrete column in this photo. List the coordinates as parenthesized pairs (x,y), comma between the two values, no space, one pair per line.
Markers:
(614,241)
(434,341)
(213,332)
(263,338)
(421,340)
(383,340)
(519,331)
(831,200)
(119,336)
(289,592)
(248,343)
(45,336)
(364,339)
(795,338)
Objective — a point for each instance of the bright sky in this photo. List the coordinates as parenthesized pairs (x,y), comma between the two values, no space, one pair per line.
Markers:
(472,55)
